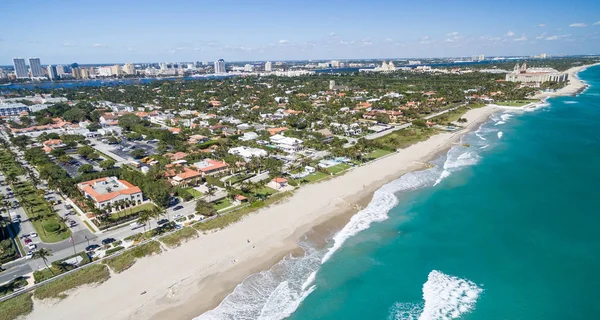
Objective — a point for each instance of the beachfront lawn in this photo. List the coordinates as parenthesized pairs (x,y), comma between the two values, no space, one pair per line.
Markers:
(378,153)
(338,168)
(515,103)
(131,211)
(222,204)
(195,193)
(264,191)
(403,138)
(313,177)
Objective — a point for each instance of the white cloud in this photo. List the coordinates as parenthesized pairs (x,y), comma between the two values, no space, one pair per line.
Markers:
(332,34)
(68,44)
(99,45)
(597,23)
(367,42)
(557,37)
(578,25)
(521,38)
(541,25)
(425,40)
(130,49)
(452,34)
(541,36)
(389,40)
(510,34)
(283,42)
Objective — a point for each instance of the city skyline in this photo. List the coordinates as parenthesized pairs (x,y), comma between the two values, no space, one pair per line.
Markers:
(183,31)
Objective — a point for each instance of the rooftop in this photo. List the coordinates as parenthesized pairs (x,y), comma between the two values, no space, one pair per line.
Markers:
(104,189)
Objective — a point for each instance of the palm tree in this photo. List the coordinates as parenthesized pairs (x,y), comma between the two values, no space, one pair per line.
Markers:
(144,218)
(43,254)
(211,192)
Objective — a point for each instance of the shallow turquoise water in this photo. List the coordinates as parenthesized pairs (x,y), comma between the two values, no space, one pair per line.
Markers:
(511,233)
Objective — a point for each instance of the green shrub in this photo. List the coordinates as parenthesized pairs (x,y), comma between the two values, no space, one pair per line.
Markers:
(126,260)
(16,307)
(51,226)
(55,289)
(176,238)
(113,250)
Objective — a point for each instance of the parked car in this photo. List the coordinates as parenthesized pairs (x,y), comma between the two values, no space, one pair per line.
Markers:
(177,208)
(92,247)
(162,221)
(135,225)
(33,235)
(177,216)
(29,255)
(108,241)
(32,246)
(27,241)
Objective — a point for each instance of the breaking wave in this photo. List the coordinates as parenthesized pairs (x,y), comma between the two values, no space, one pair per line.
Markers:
(445,297)
(571,102)
(499,134)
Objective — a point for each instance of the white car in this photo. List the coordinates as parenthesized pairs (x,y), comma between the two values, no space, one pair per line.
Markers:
(32,246)
(177,216)
(29,255)
(33,235)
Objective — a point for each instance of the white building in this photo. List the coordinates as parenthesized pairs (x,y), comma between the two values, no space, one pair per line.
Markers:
(20,68)
(36,68)
(111,191)
(128,68)
(249,136)
(268,66)
(105,71)
(220,66)
(248,67)
(248,153)
(537,75)
(286,144)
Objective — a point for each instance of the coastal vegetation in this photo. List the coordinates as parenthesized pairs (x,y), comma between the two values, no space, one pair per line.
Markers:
(95,274)
(16,307)
(125,260)
(176,238)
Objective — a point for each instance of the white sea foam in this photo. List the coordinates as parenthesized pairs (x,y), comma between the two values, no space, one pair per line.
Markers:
(506,116)
(484,146)
(500,134)
(447,297)
(571,102)
(499,123)
(444,297)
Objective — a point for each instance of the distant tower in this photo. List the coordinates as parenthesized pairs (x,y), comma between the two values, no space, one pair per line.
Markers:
(20,68)
(331,84)
(220,66)
(524,67)
(516,68)
(36,67)
(268,66)
(52,74)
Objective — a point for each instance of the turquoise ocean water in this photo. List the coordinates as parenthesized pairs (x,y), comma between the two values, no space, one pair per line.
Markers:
(507,228)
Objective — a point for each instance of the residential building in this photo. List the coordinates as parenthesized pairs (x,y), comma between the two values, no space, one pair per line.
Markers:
(12,109)
(278,183)
(20,68)
(536,75)
(182,176)
(220,66)
(274,131)
(249,136)
(268,66)
(76,73)
(248,153)
(85,73)
(327,135)
(36,68)
(52,144)
(105,71)
(286,144)
(52,74)
(129,69)
(248,67)
(117,70)
(110,191)
(210,167)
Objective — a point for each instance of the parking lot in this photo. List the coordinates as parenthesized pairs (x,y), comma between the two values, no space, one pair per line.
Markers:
(123,150)
(73,167)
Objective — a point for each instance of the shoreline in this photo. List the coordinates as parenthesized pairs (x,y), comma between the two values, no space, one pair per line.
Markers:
(574,87)
(218,261)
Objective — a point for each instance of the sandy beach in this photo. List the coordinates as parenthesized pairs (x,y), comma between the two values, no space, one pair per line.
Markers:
(184,282)
(574,86)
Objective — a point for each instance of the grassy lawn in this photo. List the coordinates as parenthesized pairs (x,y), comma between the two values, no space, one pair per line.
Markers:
(94,274)
(222,204)
(132,211)
(16,307)
(176,238)
(515,103)
(378,153)
(195,193)
(53,271)
(224,220)
(338,168)
(126,260)
(264,191)
(51,237)
(315,176)
(403,138)
(12,286)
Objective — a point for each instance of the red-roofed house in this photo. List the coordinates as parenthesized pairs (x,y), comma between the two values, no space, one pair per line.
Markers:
(278,183)
(186,177)
(52,144)
(110,191)
(176,156)
(274,131)
(210,167)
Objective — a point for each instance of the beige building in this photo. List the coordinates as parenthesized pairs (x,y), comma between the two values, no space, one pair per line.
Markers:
(117,70)
(537,75)
(128,68)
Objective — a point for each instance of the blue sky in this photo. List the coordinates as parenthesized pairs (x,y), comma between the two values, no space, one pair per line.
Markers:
(65,31)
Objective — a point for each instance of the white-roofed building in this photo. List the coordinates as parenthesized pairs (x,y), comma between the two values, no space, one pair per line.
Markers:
(286,144)
(248,153)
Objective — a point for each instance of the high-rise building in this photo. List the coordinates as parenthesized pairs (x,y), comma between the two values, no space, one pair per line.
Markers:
(20,68)
(220,66)
(268,66)
(128,68)
(248,67)
(85,73)
(3,74)
(36,68)
(117,70)
(60,70)
(481,57)
(76,73)
(52,74)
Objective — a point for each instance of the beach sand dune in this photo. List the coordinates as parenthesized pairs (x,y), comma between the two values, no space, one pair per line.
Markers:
(184,282)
